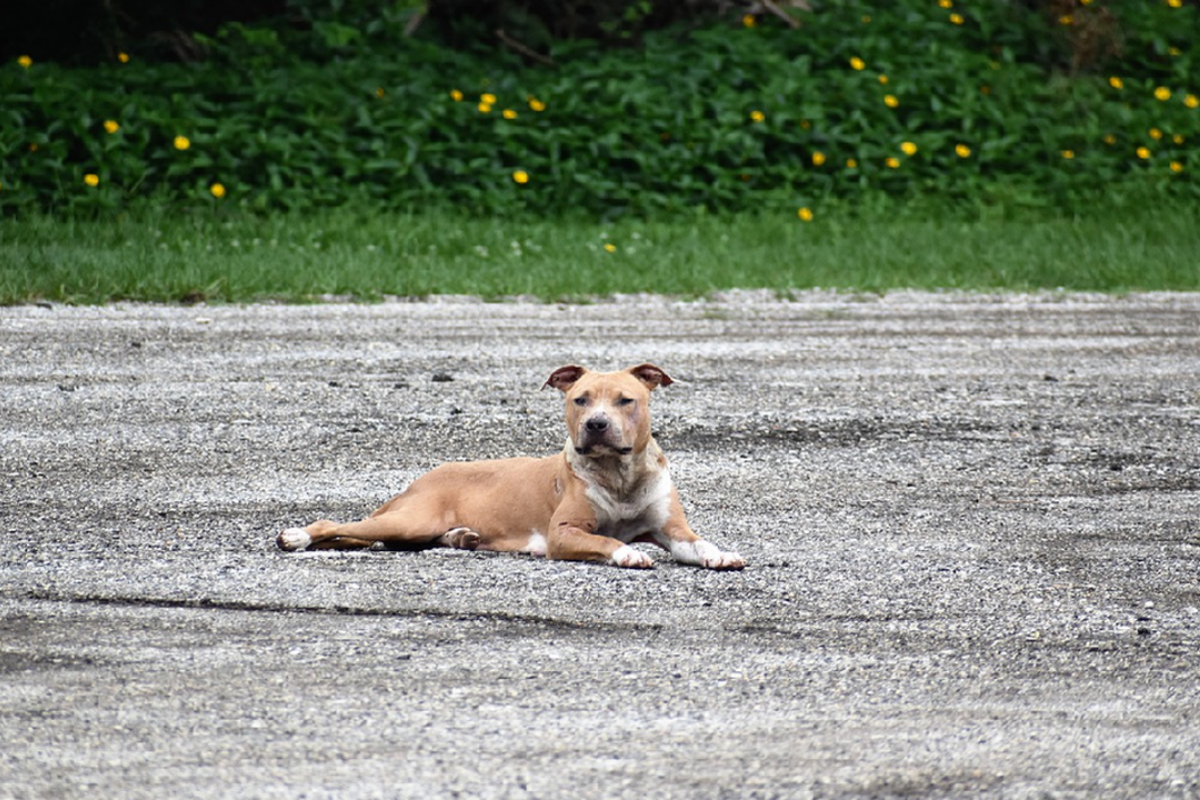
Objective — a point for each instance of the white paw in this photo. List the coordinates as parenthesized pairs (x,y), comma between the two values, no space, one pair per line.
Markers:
(293,539)
(723,560)
(706,554)
(626,556)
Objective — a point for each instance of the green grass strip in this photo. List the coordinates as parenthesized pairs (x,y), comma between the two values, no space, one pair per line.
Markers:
(366,256)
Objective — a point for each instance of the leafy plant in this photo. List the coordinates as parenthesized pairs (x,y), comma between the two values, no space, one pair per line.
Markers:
(906,99)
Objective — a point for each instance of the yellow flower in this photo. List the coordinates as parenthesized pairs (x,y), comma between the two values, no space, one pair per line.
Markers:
(123,58)
(890,101)
(805,214)
(484,108)
(757,115)
(749,21)
(1116,82)
(1176,167)
(91,179)
(1143,153)
(510,114)
(456,95)
(521,176)
(1175,3)
(818,158)
(893,162)
(1162,93)
(379,92)
(1177,138)
(25,61)
(182,143)
(1066,19)
(1110,139)
(1175,51)
(883,79)
(1068,154)
(909,149)
(218,190)
(1155,133)
(866,20)
(957,19)
(851,163)
(962,150)
(858,63)
(488,98)
(111,125)
(33,148)
(610,247)
(1191,101)
(946,3)
(536,105)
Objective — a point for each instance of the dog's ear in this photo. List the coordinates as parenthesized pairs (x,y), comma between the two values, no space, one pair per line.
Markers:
(564,378)
(650,375)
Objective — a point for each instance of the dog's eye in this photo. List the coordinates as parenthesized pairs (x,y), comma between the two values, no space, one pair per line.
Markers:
(581,401)
(625,401)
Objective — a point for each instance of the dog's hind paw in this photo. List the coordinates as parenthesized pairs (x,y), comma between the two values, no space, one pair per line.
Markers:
(460,539)
(293,539)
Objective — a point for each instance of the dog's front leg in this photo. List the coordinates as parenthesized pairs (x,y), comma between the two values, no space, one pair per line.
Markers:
(571,543)
(678,538)
(572,536)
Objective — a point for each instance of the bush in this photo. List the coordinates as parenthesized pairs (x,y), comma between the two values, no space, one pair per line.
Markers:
(917,97)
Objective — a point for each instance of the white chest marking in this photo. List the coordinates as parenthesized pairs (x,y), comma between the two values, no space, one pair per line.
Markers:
(627,516)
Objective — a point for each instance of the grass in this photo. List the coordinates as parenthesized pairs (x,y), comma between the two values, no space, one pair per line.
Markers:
(365,256)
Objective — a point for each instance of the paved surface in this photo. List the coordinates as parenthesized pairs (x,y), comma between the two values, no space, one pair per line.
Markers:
(973,525)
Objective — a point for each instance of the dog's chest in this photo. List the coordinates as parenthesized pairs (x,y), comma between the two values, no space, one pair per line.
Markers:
(625,515)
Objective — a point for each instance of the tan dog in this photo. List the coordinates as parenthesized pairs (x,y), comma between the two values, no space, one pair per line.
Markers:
(608,488)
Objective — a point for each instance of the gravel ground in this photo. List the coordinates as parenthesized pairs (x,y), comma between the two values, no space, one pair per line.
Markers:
(972,522)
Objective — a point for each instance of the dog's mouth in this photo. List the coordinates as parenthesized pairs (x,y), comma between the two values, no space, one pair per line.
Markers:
(592,449)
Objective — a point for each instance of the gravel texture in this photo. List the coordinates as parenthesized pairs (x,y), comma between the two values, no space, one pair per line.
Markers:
(972,523)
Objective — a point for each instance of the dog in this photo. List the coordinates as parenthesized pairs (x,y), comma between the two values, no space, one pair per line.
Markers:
(609,488)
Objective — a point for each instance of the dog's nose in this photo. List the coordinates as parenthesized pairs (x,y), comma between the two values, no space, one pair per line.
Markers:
(597,425)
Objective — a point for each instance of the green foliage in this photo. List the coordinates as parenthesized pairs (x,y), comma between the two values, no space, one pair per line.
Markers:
(864,100)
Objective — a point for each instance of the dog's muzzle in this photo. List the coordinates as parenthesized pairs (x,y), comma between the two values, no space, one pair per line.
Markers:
(598,432)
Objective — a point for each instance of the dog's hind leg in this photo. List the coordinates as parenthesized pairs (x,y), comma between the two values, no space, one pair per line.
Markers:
(394,530)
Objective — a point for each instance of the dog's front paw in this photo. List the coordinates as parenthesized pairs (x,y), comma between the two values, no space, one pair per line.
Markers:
(293,539)
(626,556)
(720,559)
(705,554)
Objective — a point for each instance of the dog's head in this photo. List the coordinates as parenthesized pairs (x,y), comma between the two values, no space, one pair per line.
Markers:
(608,413)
